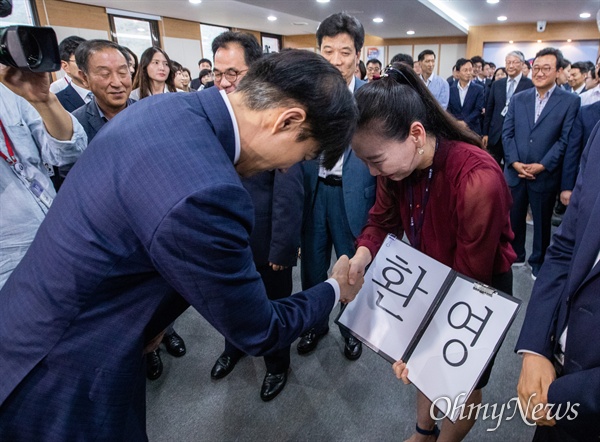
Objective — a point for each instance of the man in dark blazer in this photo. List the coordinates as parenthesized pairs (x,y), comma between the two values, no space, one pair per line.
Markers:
(469,108)
(498,100)
(103,71)
(153,218)
(561,365)
(585,122)
(278,199)
(70,98)
(75,94)
(535,136)
(337,199)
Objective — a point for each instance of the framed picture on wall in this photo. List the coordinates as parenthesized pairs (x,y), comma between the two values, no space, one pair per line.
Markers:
(371,52)
(270,43)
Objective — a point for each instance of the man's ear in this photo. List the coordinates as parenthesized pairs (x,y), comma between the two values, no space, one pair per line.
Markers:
(84,79)
(64,65)
(289,120)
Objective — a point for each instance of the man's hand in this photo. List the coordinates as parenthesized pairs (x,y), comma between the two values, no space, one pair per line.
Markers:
(537,373)
(33,86)
(154,343)
(534,168)
(401,371)
(277,267)
(565,197)
(340,274)
(522,171)
(484,140)
(358,264)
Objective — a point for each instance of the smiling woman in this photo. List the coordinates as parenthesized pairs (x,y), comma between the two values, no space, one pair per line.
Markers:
(439,187)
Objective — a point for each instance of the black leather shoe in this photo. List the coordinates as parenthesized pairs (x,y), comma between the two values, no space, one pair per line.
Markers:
(353,348)
(222,367)
(309,340)
(273,385)
(154,365)
(175,345)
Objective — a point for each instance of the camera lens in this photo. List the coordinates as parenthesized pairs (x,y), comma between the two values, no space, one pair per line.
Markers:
(31,48)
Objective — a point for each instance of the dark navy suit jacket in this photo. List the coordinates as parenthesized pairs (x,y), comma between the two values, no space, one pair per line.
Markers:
(278,199)
(152,218)
(567,293)
(70,99)
(493,119)
(358,186)
(585,122)
(544,141)
(90,118)
(470,111)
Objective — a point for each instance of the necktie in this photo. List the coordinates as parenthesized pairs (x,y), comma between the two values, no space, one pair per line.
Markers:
(511,90)
(88,97)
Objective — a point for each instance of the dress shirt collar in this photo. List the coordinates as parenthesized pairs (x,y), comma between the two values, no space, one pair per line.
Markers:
(83,93)
(547,95)
(460,88)
(352,84)
(236,129)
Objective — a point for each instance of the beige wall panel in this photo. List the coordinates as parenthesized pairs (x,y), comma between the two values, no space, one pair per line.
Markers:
(398,49)
(73,15)
(449,53)
(180,29)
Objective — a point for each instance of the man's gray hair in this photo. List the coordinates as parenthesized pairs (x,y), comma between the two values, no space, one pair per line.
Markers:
(517,54)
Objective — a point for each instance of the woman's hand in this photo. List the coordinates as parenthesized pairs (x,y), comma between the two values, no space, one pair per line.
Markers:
(358,264)
(401,371)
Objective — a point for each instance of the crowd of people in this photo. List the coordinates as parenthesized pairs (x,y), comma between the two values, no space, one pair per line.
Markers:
(127,197)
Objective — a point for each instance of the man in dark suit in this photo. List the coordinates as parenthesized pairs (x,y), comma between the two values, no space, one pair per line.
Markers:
(104,70)
(498,100)
(278,198)
(535,136)
(561,365)
(466,97)
(338,198)
(75,94)
(154,218)
(586,120)
(203,64)
(577,76)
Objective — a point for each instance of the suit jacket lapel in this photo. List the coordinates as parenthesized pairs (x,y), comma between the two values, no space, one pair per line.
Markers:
(218,116)
(552,102)
(94,119)
(530,108)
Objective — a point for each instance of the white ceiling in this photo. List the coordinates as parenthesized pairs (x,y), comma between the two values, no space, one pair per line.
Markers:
(428,18)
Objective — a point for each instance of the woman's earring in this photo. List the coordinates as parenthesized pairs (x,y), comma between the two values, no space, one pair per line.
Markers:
(420,151)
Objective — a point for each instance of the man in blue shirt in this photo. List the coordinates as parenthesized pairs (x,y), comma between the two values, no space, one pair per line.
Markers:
(437,85)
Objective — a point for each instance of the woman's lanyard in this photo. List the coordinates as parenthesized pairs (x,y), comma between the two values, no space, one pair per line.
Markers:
(32,184)
(416,227)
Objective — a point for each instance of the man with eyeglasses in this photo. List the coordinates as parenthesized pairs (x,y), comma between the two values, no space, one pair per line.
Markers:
(498,100)
(436,85)
(373,69)
(278,199)
(535,136)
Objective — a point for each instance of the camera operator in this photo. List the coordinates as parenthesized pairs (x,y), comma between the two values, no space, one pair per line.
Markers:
(36,130)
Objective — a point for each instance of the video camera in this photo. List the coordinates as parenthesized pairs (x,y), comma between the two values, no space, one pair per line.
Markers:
(28,47)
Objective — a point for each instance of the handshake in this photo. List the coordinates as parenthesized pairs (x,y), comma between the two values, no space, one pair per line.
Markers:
(350,273)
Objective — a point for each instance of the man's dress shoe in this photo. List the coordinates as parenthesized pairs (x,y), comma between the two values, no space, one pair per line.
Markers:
(273,385)
(222,367)
(175,345)
(353,348)
(154,365)
(309,340)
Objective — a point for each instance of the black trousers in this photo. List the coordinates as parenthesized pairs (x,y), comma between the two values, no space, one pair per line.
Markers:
(278,284)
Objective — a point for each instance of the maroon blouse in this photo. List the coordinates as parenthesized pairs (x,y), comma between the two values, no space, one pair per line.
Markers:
(466,222)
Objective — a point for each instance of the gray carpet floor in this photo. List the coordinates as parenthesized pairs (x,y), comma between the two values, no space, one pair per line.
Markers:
(327,397)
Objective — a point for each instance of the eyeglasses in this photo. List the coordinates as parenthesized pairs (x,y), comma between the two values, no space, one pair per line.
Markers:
(545,69)
(231,75)
(373,70)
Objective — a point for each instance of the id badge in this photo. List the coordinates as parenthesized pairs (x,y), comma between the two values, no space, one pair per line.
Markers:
(41,193)
(49,169)
(504,111)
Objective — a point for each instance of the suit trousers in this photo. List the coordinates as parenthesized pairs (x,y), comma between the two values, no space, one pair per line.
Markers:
(325,227)
(497,152)
(278,284)
(542,205)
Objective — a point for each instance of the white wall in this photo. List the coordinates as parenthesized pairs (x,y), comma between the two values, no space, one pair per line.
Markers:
(449,53)
(398,49)
(575,51)
(185,51)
